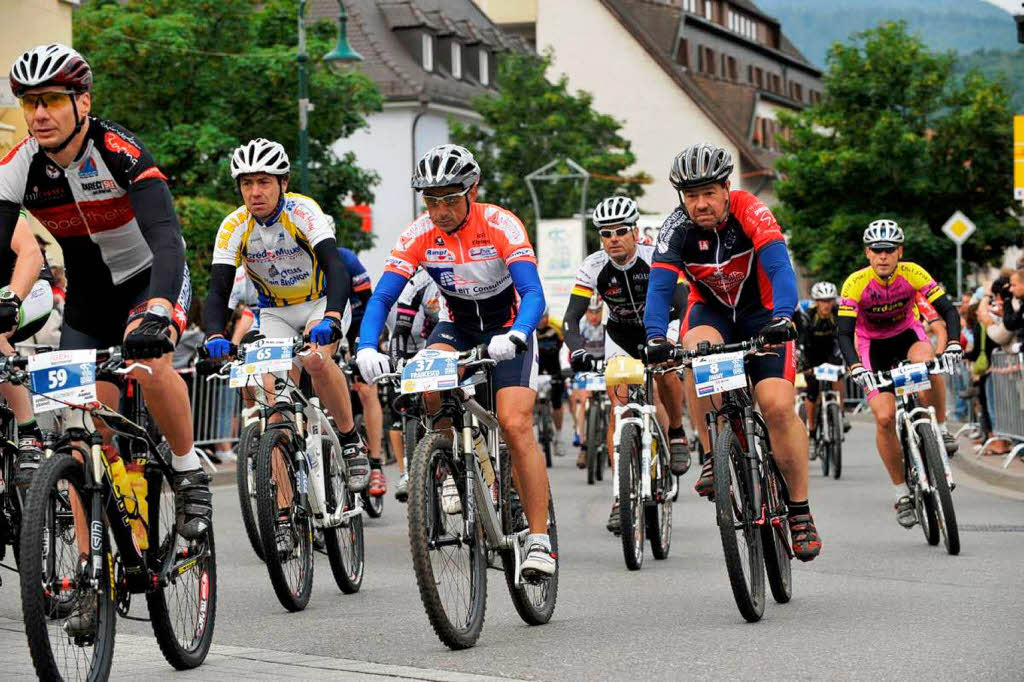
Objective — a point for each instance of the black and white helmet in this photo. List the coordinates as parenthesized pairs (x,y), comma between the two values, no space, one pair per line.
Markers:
(700,164)
(53,64)
(615,211)
(444,166)
(884,233)
(260,156)
(824,291)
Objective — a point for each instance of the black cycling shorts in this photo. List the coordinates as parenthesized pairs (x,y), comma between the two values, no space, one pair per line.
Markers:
(741,326)
(887,353)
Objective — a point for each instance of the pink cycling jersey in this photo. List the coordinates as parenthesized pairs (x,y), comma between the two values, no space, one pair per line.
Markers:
(885,308)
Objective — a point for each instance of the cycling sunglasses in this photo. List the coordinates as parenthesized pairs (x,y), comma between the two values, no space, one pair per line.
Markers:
(883,249)
(447,200)
(618,232)
(56,99)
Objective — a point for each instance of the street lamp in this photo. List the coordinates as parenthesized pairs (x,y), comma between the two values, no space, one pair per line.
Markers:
(341,53)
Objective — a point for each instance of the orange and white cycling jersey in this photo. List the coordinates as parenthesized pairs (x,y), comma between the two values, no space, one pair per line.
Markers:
(470,265)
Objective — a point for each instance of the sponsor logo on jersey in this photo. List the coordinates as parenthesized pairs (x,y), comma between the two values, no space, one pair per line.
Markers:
(151,172)
(273,271)
(87,169)
(440,255)
(703,244)
(100,186)
(483,252)
(526,252)
(510,226)
(116,143)
(52,172)
(400,265)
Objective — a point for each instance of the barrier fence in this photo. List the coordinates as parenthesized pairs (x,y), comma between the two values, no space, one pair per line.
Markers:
(1006,401)
(216,409)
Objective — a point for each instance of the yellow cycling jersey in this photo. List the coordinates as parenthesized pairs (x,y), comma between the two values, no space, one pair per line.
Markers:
(884,308)
(279,258)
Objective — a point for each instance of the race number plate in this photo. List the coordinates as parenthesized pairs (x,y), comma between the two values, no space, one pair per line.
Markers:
(431,370)
(719,373)
(911,378)
(589,381)
(68,376)
(262,357)
(827,372)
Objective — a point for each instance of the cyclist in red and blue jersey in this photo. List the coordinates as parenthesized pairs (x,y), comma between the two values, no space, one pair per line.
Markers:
(483,263)
(742,285)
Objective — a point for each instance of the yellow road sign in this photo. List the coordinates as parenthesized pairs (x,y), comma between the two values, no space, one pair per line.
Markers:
(958,228)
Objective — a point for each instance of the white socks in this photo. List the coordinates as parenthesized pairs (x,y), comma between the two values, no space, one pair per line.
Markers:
(901,490)
(186,462)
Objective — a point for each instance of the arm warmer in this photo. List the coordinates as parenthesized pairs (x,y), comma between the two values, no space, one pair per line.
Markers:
(660,289)
(8,221)
(775,260)
(154,210)
(526,280)
(571,323)
(847,326)
(215,310)
(945,308)
(339,282)
(389,288)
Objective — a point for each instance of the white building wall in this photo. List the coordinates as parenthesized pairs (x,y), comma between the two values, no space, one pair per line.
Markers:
(600,56)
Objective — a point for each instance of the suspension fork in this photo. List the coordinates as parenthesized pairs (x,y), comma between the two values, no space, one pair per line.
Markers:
(752,457)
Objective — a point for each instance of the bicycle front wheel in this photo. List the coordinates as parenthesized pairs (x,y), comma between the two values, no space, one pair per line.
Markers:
(448,557)
(945,514)
(245,476)
(741,537)
(835,423)
(821,442)
(285,528)
(184,610)
(345,548)
(69,625)
(631,500)
(594,437)
(659,511)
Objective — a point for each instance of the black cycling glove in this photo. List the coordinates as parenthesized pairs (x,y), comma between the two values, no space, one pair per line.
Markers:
(778,331)
(581,361)
(659,350)
(10,305)
(151,339)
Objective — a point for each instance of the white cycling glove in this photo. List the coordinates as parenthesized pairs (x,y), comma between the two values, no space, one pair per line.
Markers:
(864,377)
(372,363)
(953,354)
(506,346)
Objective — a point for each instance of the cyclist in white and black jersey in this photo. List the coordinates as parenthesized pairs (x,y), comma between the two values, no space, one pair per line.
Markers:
(619,273)
(591,328)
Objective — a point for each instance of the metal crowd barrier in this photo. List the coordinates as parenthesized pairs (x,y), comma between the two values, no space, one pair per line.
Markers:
(1006,402)
(216,409)
(960,389)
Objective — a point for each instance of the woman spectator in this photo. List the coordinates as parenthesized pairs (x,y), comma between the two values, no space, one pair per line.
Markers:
(979,319)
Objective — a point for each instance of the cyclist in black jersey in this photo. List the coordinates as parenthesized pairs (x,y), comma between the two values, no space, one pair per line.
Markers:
(818,341)
(549,344)
(96,189)
(619,273)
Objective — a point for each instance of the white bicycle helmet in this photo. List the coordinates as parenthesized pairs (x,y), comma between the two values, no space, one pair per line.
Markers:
(824,291)
(444,166)
(884,233)
(260,156)
(53,64)
(700,164)
(615,211)
(595,302)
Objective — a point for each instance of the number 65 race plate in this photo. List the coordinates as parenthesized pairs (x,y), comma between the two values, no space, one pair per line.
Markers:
(63,375)
(263,357)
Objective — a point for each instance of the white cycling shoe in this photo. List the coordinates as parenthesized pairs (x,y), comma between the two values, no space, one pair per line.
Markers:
(540,561)
(450,501)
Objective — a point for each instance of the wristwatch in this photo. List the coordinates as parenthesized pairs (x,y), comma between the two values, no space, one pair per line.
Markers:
(8,296)
(159,311)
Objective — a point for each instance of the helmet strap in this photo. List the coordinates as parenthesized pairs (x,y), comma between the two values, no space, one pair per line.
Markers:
(274,215)
(79,122)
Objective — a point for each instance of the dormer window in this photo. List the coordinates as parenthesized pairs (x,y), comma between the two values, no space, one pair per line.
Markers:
(428,52)
(456,61)
(485,67)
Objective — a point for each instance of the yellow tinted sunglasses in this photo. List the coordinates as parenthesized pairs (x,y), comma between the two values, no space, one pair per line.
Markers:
(56,99)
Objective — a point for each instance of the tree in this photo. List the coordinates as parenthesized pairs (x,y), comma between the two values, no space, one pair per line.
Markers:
(196,78)
(897,135)
(532,121)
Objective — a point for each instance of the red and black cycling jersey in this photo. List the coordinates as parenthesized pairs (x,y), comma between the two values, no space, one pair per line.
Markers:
(110,210)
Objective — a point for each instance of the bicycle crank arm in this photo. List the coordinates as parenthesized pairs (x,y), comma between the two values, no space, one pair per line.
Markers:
(339,517)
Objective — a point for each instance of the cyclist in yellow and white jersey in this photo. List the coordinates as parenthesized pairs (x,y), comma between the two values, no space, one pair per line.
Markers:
(287,247)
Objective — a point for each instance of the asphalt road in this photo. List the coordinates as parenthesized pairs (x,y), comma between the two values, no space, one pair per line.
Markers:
(879,603)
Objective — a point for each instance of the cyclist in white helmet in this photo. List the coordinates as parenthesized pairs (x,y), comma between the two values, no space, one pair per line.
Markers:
(819,344)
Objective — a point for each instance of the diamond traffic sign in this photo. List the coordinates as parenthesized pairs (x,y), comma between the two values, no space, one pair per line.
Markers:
(958,228)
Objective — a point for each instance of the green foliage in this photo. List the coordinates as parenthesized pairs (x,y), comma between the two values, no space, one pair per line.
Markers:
(531,122)
(897,136)
(1004,66)
(196,78)
(200,217)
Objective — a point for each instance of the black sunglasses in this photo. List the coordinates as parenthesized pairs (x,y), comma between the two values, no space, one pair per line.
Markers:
(618,232)
(883,249)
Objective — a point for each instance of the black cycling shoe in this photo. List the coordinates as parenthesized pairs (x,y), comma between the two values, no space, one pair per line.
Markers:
(680,460)
(193,503)
(357,462)
(30,454)
(614,524)
(705,486)
(952,446)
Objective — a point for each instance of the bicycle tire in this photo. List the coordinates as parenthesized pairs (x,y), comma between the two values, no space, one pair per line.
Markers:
(778,564)
(747,585)
(835,421)
(432,458)
(245,476)
(945,514)
(374,505)
(924,504)
(534,602)
(823,447)
(593,441)
(346,548)
(631,502)
(602,449)
(292,597)
(197,612)
(659,512)
(35,605)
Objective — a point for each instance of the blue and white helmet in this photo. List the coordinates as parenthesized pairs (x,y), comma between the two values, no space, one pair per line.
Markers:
(883,233)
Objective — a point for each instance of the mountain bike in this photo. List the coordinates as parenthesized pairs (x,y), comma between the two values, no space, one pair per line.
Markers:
(452,548)
(749,491)
(925,462)
(642,477)
(543,417)
(98,529)
(300,481)
(828,435)
(11,499)
(595,419)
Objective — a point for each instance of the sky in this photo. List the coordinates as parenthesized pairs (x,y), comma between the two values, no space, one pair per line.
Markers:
(1011,6)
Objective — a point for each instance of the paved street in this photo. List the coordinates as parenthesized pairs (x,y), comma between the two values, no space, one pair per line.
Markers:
(879,603)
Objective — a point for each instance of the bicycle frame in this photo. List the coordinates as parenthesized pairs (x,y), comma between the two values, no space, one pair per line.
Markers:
(645,417)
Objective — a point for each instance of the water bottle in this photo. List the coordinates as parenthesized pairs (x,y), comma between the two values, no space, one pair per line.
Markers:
(140,488)
(480,446)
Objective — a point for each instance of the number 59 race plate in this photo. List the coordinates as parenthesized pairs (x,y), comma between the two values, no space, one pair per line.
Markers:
(63,375)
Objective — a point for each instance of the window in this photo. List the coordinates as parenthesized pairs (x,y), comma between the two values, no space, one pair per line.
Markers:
(815,96)
(731,72)
(682,54)
(758,79)
(796,91)
(709,61)
(428,52)
(485,68)
(690,6)
(708,10)
(775,83)
(456,61)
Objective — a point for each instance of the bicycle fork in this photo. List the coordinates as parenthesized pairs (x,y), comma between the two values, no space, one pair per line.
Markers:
(317,429)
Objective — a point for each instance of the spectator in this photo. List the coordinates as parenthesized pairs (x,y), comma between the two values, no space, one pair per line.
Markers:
(1013,309)
(980,357)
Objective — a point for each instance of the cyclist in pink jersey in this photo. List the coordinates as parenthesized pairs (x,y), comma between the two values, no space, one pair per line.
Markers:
(877,306)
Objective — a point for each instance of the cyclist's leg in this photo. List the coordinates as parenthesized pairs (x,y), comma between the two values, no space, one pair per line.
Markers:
(811,402)
(704,324)
(883,354)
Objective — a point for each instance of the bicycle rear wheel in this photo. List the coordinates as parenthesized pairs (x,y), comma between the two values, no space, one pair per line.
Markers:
(659,511)
(450,565)
(835,423)
(741,537)
(245,476)
(345,548)
(594,437)
(184,610)
(945,514)
(631,501)
(287,532)
(69,625)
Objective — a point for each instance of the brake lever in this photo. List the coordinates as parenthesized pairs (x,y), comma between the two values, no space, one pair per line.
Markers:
(133,366)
